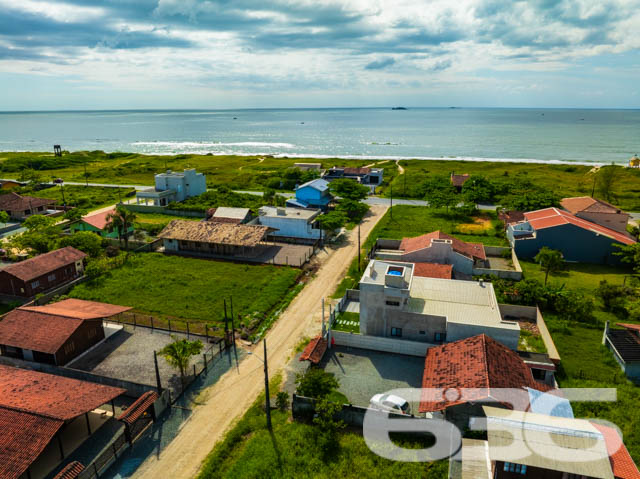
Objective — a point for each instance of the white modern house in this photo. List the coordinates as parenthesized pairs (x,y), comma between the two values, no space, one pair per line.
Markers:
(291,222)
(173,186)
(395,303)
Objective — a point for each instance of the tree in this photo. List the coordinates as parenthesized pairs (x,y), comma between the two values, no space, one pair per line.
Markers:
(74,214)
(354,210)
(550,260)
(606,180)
(41,235)
(4,217)
(328,426)
(316,383)
(478,189)
(121,219)
(329,222)
(349,189)
(39,223)
(530,200)
(440,193)
(629,254)
(86,241)
(178,354)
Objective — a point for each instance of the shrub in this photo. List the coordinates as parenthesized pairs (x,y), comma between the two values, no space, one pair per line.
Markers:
(316,383)
(282,401)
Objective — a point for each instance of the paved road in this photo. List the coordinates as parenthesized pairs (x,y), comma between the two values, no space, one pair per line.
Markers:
(231,396)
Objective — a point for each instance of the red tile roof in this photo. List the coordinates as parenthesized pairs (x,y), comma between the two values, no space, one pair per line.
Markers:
(98,220)
(70,471)
(23,437)
(479,363)
(550,217)
(621,463)
(356,171)
(51,396)
(15,202)
(511,216)
(459,180)
(139,407)
(433,270)
(79,309)
(579,204)
(470,250)
(634,327)
(45,263)
(36,331)
(315,350)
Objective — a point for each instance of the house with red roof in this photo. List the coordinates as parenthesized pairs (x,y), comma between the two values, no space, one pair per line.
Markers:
(44,417)
(98,223)
(461,376)
(597,211)
(435,247)
(56,333)
(578,239)
(42,273)
(20,207)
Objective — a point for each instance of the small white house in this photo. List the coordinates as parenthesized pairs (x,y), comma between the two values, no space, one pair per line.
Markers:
(291,222)
(173,186)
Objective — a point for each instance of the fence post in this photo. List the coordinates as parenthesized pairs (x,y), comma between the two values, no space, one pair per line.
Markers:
(151,323)
(134,321)
(286,260)
(206,332)
(194,371)
(205,361)
(187,329)
(95,468)
(169,325)
(220,344)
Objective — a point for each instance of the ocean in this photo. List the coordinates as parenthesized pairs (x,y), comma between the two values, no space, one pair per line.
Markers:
(526,135)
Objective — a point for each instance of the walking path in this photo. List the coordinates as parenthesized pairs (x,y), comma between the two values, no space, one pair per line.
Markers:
(232,395)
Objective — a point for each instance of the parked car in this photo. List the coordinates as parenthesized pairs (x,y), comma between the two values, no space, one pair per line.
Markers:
(391,403)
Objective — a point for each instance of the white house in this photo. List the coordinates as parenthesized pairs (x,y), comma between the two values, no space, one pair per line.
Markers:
(291,222)
(396,303)
(173,186)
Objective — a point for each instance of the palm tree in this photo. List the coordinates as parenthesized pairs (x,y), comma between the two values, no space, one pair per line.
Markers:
(121,219)
(179,352)
(550,260)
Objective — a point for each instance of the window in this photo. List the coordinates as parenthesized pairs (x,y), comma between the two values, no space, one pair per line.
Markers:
(539,374)
(35,284)
(51,277)
(517,468)
(397,332)
(422,332)
(440,337)
(392,303)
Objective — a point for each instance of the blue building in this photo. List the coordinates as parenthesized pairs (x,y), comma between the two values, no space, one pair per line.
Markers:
(579,240)
(312,194)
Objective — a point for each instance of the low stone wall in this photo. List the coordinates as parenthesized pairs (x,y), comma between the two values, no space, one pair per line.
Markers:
(553,353)
(376,343)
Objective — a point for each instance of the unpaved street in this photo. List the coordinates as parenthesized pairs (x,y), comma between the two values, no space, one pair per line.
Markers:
(231,396)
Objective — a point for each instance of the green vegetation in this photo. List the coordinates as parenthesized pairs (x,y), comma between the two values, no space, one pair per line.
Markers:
(82,197)
(249,450)
(223,196)
(179,353)
(316,383)
(529,182)
(531,342)
(189,288)
(153,223)
(550,260)
(343,320)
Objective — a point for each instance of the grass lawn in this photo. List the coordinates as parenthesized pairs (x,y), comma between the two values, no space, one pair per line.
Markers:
(566,180)
(83,197)
(579,276)
(190,288)
(344,320)
(250,451)
(153,223)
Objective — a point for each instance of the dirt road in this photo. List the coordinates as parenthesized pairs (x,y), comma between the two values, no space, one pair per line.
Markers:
(236,390)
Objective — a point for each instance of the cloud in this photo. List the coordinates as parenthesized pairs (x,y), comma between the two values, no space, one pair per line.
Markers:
(380,64)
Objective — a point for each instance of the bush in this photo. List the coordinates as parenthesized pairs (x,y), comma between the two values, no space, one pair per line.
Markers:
(282,401)
(316,383)
(85,241)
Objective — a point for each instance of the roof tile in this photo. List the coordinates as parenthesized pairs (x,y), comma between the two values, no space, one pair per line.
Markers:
(15,202)
(315,350)
(45,263)
(470,250)
(433,270)
(621,462)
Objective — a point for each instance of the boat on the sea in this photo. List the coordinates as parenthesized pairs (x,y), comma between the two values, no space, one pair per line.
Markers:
(398,108)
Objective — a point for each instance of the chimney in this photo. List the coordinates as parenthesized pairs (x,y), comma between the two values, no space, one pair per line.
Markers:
(481,281)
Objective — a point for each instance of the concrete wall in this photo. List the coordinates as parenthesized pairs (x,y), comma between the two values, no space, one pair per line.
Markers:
(528,312)
(186,184)
(534,315)
(500,273)
(388,244)
(441,253)
(375,343)
(508,337)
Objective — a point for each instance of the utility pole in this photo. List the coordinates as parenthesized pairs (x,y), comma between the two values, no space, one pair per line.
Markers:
(404,187)
(119,197)
(391,210)
(226,325)
(86,178)
(593,190)
(266,386)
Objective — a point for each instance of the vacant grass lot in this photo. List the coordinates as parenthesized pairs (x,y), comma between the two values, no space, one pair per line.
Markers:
(83,197)
(249,451)
(236,172)
(580,276)
(190,288)
(566,180)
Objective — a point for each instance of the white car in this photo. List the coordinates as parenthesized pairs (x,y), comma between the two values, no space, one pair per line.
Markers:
(391,403)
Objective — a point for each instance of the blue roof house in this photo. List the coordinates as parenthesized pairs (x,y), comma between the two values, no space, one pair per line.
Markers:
(312,194)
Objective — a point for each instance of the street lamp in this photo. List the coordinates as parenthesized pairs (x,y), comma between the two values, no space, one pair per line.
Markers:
(266,383)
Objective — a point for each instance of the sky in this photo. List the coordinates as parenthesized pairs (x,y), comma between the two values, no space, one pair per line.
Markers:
(139,54)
